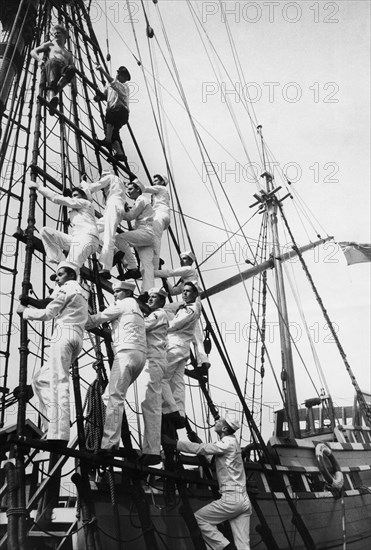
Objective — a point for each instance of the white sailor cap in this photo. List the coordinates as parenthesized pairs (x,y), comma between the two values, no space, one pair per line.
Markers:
(70,265)
(158,290)
(138,183)
(164,178)
(84,186)
(189,254)
(129,284)
(194,283)
(232,422)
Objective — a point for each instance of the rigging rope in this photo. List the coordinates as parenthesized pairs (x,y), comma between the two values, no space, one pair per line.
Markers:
(300,206)
(360,397)
(310,339)
(220,345)
(260,314)
(228,364)
(224,94)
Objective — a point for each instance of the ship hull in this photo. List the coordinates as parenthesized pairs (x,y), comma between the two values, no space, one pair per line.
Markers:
(329,521)
(289,487)
(291,499)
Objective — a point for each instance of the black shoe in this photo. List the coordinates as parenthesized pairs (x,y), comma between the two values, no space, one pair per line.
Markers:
(193,437)
(53,104)
(203,369)
(104,143)
(108,453)
(149,460)
(99,97)
(117,258)
(105,274)
(176,419)
(198,373)
(112,452)
(132,455)
(120,157)
(56,445)
(130,274)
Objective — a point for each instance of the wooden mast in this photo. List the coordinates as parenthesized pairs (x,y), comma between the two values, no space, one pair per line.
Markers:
(287,373)
(259,268)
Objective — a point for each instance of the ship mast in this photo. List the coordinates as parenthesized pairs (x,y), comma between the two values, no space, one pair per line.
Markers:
(287,374)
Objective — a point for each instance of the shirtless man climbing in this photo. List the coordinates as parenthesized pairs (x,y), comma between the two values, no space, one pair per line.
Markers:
(59,66)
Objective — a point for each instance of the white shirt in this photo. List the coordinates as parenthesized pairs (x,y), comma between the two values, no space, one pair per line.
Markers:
(160,197)
(156,330)
(114,186)
(187,273)
(69,308)
(228,461)
(117,95)
(141,212)
(128,329)
(181,327)
(81,213)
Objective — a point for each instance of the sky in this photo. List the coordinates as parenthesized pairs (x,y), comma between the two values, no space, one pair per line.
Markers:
(301,70)
(305,70)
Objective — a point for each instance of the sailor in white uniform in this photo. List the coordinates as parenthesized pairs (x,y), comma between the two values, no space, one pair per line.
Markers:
(83,239)
(234,504)
(115,193)
(156,330)
(161,212)
(141,237)
(187,272)
(180,334)
(69,309)
(129,346)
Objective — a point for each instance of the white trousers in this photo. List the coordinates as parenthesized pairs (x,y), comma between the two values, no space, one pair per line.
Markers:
(79,247)
(108,224)
(127,366)
(51,384)
(161,222)
(142,240)
(152,404)
(235,508)
(173,387)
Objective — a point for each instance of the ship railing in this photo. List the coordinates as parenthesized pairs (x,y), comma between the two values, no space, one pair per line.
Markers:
(352,434)
(314,423)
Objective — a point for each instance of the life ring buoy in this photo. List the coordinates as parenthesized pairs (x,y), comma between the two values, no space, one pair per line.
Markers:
(335,478)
